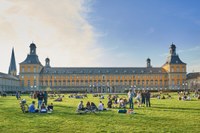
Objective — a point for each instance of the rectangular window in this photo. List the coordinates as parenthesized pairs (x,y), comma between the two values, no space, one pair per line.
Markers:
(151,82)
(183,69)
(138,82)
(28,83)
(34,69)
(50,83)
(121,82)
(172,69)
(166,82)
(28,69)
(178,69)
(134,82)
(142,82)
(22,69)
(178,82)
(160,82)
(172,82)
(46,83)
(55,83)
(22,83)
(64,83)
(147,82)
(34,83)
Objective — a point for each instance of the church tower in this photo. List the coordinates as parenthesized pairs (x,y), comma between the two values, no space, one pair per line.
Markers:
(12,68)
(148,62)
(176,69)
(47,62)
(30,70)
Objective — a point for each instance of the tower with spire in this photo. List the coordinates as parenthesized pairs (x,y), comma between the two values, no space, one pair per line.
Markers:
(12,68)
(30,69)
(176,69)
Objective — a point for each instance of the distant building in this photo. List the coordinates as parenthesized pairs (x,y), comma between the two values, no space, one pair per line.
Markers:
(193,81)
(35,76)
(10,81)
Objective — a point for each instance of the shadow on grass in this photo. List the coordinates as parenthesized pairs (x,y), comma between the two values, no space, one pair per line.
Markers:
(175,108)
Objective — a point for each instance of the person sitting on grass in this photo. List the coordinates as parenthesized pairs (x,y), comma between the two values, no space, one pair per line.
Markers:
(31,108)
(88,106)
(81,106)
(100,107)
(43,108)
(93,107)
(50,107)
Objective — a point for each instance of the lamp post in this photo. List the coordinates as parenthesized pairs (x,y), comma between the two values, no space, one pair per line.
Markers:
(186,86)
(31,88)
(90,88)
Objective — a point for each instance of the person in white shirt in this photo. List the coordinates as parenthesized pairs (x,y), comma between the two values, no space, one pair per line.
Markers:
(100,106)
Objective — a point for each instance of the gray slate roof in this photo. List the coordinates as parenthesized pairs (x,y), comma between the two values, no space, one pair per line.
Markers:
(12,66)
(101,70)
(193,75)
(31,59)
(174,59)
(7,76)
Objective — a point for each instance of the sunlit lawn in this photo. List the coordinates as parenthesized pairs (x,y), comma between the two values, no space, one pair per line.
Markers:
(169,115)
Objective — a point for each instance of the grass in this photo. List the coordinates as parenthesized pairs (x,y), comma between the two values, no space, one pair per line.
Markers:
(169,115)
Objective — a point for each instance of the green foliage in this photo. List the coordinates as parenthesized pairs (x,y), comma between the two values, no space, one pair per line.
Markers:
(169,115)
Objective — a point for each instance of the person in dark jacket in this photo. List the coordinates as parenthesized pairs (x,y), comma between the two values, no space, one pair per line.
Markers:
(148,95)
(143,97)
(40,97)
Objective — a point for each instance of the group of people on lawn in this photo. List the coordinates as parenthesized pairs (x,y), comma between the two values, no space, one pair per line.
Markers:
(42,104)
(141,98)
(90,106)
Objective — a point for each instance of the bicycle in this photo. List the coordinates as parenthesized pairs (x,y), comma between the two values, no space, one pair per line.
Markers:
(24,106)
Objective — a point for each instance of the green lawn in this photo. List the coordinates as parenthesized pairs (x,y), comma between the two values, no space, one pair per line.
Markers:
(169,115)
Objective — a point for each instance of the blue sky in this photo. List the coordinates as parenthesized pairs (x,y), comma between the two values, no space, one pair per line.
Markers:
(138,29)
(101,33)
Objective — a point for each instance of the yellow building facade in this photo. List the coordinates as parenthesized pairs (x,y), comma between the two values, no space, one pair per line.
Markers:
(35,76)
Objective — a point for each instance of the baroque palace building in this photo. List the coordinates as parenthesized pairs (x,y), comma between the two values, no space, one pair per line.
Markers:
(34,76)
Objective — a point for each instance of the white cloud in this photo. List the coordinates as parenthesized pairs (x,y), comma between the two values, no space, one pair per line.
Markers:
(60,30)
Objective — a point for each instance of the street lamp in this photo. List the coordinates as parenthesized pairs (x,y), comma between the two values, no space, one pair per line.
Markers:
(186,86)
(90,88)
